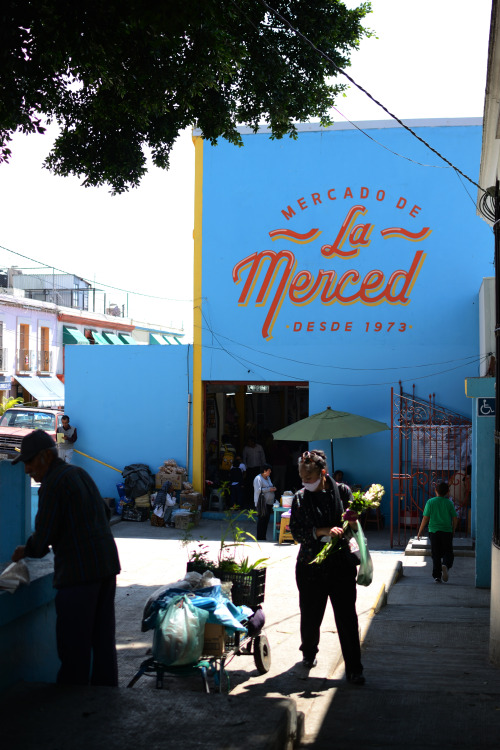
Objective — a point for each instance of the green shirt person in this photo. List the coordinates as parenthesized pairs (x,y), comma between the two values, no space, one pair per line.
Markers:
(441,517)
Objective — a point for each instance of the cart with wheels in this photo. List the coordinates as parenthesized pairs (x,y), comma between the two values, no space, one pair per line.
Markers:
(248,590)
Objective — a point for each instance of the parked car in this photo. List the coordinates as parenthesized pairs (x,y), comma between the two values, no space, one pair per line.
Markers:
(21,420)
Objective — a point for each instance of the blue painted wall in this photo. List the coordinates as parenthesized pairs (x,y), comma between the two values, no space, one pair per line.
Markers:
(27,617)
(129,404)
(483,476)
(309,186)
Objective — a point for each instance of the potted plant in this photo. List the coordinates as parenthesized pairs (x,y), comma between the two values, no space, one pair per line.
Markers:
(248,577)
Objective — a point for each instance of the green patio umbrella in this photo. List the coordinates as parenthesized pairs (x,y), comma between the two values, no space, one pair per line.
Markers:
(330,425)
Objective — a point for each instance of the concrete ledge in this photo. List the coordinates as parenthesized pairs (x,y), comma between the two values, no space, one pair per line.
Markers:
(77,718)
(461,547)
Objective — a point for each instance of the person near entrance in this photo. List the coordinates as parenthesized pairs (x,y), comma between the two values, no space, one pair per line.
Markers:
(253,457)
(262,484)
(73,519)
(441,516)
(316,516)
(66,438)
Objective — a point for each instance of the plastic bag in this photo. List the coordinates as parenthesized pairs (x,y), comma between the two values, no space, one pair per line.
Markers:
(13,575)
(365,572)
(179,633)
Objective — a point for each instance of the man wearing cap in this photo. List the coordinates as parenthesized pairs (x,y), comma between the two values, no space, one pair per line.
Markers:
(73,519)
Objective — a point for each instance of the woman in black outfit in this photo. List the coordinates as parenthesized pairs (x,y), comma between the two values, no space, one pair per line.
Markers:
(316,516)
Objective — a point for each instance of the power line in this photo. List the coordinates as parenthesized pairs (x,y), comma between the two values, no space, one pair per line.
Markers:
(349,78)
(465,360)
(101,283)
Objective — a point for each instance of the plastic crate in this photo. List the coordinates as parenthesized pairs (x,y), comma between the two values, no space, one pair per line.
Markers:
(248,588)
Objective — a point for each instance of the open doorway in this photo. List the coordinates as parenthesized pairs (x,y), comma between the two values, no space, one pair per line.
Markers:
(237,412)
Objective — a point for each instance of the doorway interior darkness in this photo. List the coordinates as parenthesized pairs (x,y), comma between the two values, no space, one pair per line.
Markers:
(242,410)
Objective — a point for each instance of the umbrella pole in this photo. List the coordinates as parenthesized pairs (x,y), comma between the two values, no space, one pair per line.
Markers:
(331,452)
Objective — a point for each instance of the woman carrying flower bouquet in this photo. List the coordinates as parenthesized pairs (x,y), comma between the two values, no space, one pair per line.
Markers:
(316,517)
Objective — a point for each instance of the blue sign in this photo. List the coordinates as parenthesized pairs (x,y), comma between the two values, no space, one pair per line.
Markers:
(4,386)
(486,407)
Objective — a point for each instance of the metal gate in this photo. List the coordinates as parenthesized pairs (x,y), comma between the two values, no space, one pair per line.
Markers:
(430,444)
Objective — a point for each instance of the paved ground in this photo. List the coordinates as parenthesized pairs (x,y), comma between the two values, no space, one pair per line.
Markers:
(429,682)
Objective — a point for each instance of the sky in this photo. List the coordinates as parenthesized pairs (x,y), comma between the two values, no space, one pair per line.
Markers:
(427,59)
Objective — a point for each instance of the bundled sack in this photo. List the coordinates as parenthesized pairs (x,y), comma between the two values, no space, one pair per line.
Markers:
(13,575)
(179,633)
(138,480)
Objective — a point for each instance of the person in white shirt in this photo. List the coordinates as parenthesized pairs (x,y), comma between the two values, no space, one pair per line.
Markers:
(262,483)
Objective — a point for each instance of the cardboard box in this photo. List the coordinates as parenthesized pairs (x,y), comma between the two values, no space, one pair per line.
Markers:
(183,521)
(191,502)
(215,640)
(176,479)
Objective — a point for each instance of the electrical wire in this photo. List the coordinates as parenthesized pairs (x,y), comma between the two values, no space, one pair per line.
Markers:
(465,360)
(248,363)
(101,283)
(358,86)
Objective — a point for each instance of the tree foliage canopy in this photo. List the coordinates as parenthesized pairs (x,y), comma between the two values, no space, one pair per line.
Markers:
(124,77)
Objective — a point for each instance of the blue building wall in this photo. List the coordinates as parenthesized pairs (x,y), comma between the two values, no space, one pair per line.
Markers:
(414,242)
(27,617)
(129,404)
(481,391)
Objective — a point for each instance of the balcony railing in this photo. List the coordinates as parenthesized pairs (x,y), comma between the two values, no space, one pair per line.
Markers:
(25,359)
(3,359)
(44,361)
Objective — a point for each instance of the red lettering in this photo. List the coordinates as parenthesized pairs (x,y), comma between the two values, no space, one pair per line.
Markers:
(401,205)
(415,210)
(302,203)
(297,326)
(348,326)
(316,198)
(326,297)
(332,190)
(380,193)
(363,193)
(335,327)
(288,212)
(409,279)
(360,235)
(344,279)
(329,250)
(348,193)
(284,259)
(372,280)
(310,326)
(322,326)
(302,283)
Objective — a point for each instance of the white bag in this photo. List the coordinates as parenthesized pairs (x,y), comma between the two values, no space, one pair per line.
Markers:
(13,575)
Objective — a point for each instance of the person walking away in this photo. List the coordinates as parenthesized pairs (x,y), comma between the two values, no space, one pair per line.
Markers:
(236,479)
(73,519)
(262,483)
(253,457)
(441,516)
(316,517)
(67,440)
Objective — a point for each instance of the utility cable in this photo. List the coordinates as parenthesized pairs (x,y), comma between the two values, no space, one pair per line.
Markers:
(358,86)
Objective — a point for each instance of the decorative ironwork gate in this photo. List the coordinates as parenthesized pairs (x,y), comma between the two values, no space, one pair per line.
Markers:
(430,444)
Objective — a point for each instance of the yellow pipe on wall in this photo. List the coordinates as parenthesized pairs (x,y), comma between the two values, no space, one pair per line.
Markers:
(97,460)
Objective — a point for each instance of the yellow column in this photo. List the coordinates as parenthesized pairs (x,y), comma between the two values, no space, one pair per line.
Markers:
(198,414)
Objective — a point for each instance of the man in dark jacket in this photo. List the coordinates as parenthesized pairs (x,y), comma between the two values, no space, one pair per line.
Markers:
(73,519)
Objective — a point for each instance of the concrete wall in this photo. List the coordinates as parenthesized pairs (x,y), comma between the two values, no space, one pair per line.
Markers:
(129,404)
(483,473)
(495,606)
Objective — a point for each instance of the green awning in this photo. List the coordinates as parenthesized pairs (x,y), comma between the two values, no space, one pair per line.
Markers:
(74,336)
(126,338)
(179,342)
(166,339)
(99,338)
(112,338)
(156,338)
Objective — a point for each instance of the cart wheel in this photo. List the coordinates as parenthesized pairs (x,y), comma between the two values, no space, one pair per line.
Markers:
(262,654)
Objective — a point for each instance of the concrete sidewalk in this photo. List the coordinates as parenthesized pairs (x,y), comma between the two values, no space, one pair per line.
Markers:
(429,683)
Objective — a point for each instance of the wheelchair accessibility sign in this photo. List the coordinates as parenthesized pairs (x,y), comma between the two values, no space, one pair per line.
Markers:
(486,407)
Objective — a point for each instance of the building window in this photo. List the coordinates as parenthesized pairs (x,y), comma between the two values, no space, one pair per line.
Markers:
(24,354)
(44,354)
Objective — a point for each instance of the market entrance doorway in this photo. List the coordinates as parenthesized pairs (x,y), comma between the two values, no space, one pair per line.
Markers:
(237,412)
